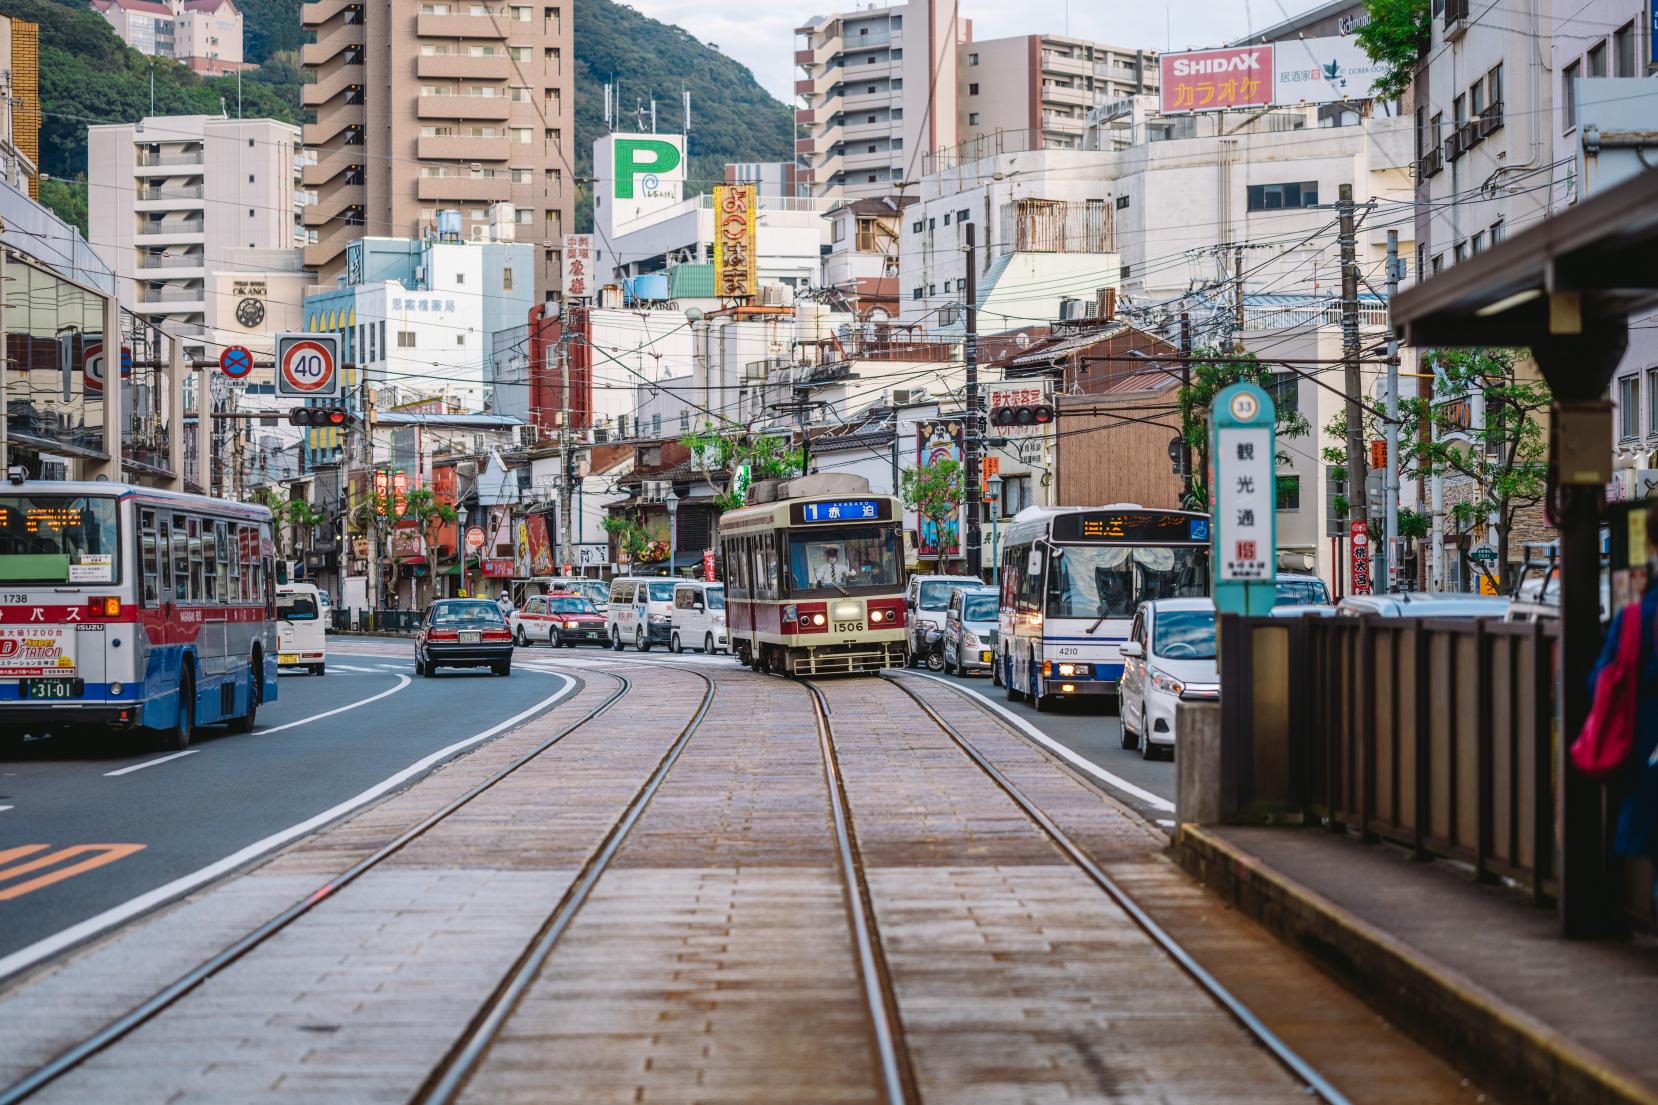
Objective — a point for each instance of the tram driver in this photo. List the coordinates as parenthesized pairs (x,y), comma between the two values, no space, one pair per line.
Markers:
(831,570)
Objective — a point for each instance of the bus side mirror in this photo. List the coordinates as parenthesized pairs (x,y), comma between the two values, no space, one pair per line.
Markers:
(1034,564)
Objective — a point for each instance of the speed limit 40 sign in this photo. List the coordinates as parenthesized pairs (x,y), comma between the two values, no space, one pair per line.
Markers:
(308,365)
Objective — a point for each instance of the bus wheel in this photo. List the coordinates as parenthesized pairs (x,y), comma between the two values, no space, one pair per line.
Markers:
(177,738)
(246,722)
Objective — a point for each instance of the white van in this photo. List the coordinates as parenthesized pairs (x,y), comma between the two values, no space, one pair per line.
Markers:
(641,612)
(699,617)
(301,641)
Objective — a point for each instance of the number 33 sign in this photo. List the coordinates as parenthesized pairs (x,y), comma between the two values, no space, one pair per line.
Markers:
(308,365)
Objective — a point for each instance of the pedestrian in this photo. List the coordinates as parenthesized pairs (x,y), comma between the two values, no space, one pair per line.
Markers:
(1623,723)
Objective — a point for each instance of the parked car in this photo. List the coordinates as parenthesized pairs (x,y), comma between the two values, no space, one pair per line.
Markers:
(699,617)
(926,600)
(463,633)
(641,612)
(1302,589)
(970,630)
(1169,657)
(561,619)
(1422,604)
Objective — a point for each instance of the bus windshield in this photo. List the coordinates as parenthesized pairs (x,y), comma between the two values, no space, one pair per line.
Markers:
(296,608)
(58,539)
(1109,581)
(864,556)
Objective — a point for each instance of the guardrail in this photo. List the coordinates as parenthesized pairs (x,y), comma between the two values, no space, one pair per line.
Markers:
(1434,734)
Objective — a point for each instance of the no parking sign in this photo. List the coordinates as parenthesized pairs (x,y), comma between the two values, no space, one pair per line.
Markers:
(308,365)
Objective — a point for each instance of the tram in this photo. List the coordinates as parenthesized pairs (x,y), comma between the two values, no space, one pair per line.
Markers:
(814,577)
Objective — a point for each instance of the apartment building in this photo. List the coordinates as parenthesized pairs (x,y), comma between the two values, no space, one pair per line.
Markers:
(20,95)
(876,90)
(438,105)
(1035,91)
(173,197)
(206,35)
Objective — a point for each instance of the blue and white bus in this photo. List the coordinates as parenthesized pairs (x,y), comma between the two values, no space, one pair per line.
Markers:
(131,609)
(1071,579)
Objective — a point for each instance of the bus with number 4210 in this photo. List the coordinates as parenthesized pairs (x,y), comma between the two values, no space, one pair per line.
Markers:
(130,609)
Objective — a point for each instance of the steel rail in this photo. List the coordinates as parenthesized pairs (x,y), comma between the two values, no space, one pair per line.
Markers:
(151,1007)
(446,1081)
(898,1082)
(1315,1082)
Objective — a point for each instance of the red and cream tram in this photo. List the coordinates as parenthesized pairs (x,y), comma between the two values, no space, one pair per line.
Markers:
(814,577)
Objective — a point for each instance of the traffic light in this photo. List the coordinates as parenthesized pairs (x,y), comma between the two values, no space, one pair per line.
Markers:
(320,417)
(1036,414)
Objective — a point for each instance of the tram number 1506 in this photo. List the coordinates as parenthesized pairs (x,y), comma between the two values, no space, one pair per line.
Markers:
(849,627)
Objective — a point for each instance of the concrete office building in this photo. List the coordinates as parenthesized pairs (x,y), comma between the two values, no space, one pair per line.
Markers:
(426,106)
(173,197)
(1036,90)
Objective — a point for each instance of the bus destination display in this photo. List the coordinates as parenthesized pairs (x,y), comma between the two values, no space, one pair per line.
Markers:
(1132,526)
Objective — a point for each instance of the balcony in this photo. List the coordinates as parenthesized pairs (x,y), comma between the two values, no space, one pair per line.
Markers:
(804,87)
(333,203)
(331,42)
(313,15)
(428,148)
(465,188)
(460,68)
(176,230)
(1075,97)
(484,108)
(331,164)
(171,295)
(462,26)
(881,97)
(169,192)
(148,262)
(326,88)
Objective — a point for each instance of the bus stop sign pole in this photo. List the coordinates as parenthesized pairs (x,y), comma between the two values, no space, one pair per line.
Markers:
(1243,500)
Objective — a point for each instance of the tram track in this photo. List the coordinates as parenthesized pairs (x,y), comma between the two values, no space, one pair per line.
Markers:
(1313,1081)
(174,993)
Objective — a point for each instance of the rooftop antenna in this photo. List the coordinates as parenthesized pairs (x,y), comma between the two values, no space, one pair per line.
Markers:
(609,107)
(653,115)
(685,95)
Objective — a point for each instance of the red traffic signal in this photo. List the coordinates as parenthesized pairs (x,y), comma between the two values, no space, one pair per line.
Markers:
(1039,414)
(319,417)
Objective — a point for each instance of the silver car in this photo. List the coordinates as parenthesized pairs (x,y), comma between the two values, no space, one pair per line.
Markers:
(970,630)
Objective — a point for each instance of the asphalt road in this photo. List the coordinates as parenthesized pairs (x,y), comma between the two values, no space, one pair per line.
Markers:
(98,825)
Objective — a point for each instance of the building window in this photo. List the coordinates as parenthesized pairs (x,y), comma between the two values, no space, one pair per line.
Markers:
(1568,79)
(972,59)
(506,280)
(964,215)
(1125,271)
(1597,60)
(405,339)
(1289,492)
(1494,95)
(866,236)
(972,118)
(915,293)
(1652,402)
(1476,244)
(973,90)
(1629,408)
(916,227)
(1496,232)
(460,339)
(947,218)
(520,53)
(1122,203)
(1277,197)
(1438,262)
(1623,50)
(523,135)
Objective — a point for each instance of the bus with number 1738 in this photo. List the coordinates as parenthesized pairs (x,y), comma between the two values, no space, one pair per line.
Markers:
(131,609)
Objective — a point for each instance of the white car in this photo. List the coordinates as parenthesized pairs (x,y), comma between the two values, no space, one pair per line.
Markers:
(1169,657)
(699,617)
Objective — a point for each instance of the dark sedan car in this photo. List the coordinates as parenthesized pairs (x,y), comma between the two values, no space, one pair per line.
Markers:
(463,633)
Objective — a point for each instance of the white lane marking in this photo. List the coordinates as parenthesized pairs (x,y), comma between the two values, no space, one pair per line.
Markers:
(151,763)
(3,809)
(403,681)
(1165,822)
(109,918)
(348,667)
(1117,782)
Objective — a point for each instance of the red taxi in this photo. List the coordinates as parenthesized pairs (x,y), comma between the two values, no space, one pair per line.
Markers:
(559,618)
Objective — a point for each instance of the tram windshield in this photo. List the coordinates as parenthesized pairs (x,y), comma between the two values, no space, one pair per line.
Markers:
(1109,581)
(846,559)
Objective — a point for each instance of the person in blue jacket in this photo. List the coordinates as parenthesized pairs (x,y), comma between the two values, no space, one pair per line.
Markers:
(1637,834)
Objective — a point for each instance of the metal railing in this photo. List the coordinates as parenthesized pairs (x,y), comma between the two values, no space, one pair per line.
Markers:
(172,295)
(171,262)
(167,230)
(171,192)
(1056,226)
(190,158)
(1433,734)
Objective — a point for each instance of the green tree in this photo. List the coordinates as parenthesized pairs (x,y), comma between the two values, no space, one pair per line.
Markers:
(292,517)
(935,492)
(429,514)
(1397,34)
(1209,378)
(67,200)
(1504,461)
(630,537)
(768,456)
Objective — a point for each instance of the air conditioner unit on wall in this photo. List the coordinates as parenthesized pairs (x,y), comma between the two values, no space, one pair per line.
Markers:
(904,397)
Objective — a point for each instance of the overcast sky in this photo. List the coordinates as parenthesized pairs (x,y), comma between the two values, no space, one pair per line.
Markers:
(761,34)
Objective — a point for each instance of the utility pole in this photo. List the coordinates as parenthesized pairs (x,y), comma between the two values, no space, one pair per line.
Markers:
(566,490)
(971,440)
(1390,476)
(1186,474)
(1350,354)
(372,583)
(1237,299)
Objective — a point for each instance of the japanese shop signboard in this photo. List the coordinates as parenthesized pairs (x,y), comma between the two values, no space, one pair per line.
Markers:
(577,274)
(736,272)
(1214,80)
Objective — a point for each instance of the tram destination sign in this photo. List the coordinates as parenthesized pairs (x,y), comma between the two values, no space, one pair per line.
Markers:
(840,510)
(1132,527)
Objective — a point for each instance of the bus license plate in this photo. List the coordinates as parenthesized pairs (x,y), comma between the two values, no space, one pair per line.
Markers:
(52,688)
(849,627)
(470,636)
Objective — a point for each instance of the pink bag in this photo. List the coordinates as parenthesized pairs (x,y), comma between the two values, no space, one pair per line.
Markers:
(1609,731)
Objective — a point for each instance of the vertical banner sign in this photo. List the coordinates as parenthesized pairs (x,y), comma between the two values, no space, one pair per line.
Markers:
(708,565)
(1243,479)
(735,272)
(1359,555)
(577,273)
(936,441)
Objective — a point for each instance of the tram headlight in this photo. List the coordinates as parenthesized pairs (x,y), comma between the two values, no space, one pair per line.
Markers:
(876,617)
(819,619)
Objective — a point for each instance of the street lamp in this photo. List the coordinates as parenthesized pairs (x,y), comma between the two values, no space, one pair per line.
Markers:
(671,501)
(994,485)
